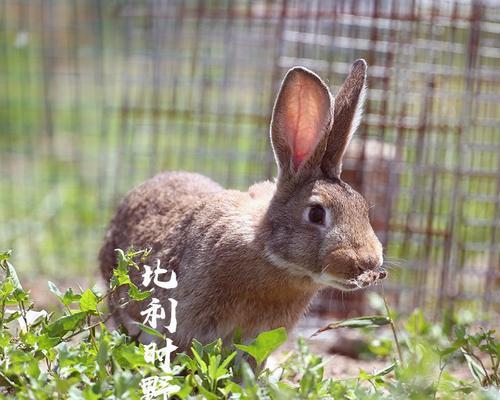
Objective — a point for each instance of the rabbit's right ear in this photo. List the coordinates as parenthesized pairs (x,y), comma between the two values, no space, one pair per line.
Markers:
(302,120)
(348,110)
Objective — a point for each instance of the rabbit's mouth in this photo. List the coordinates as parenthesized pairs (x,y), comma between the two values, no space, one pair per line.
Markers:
(363,280)
(368,277)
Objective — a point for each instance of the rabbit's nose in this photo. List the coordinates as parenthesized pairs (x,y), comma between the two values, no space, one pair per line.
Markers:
(369,262)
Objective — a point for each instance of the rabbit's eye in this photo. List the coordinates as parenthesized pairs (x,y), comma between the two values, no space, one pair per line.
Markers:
(317,214)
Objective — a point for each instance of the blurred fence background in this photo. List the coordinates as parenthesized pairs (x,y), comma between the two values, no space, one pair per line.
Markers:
(96,96)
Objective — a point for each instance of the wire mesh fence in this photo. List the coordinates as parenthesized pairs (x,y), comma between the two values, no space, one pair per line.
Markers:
(96,96)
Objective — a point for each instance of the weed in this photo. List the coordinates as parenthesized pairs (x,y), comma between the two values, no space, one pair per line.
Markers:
(74,356)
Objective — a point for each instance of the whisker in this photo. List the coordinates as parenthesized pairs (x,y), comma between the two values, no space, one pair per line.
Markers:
(395,259)
(392,266)
(394,262)
(389,267)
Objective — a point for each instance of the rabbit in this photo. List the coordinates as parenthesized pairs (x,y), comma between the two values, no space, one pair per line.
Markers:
(252,261)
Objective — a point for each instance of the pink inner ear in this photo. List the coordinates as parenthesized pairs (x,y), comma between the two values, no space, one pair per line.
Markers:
(304,116)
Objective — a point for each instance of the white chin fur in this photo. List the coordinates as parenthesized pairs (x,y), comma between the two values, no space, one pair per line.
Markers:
(327,280)
(297,270)
(292,268)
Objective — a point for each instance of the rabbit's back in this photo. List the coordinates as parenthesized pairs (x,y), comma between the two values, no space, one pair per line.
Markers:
(149,212)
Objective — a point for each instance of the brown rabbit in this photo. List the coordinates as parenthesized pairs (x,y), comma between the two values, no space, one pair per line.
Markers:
(254,260)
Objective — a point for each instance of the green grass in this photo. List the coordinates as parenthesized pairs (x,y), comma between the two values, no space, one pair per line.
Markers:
(71,354)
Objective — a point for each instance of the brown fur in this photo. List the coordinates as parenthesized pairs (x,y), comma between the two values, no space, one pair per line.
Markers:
(250,260)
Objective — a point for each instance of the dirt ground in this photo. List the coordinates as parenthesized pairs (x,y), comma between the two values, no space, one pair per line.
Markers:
(339,349)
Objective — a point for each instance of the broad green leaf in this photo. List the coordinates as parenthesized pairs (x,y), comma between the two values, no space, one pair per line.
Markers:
(5,338)
(7,288)
(185,390)
(264,344)
(45,342)
(453,347)
(198,347)
(381,347)
(11,272)
(125,382)
(201,364)
(136,294)
(475,369)
(129,356)
(206,394)
(31,318)
(120,277)
(88,301)
(232,387)
(416,324)
(150,330)
(11,316)
(54,289)
(230,358)
(102,356)
(5,255)
(89,394)
(249,380)
(213,363)
(65,324)
(306,384)
(70,297)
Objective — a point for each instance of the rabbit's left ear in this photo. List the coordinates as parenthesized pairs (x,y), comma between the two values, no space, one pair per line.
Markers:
(348,111)
(301,123)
